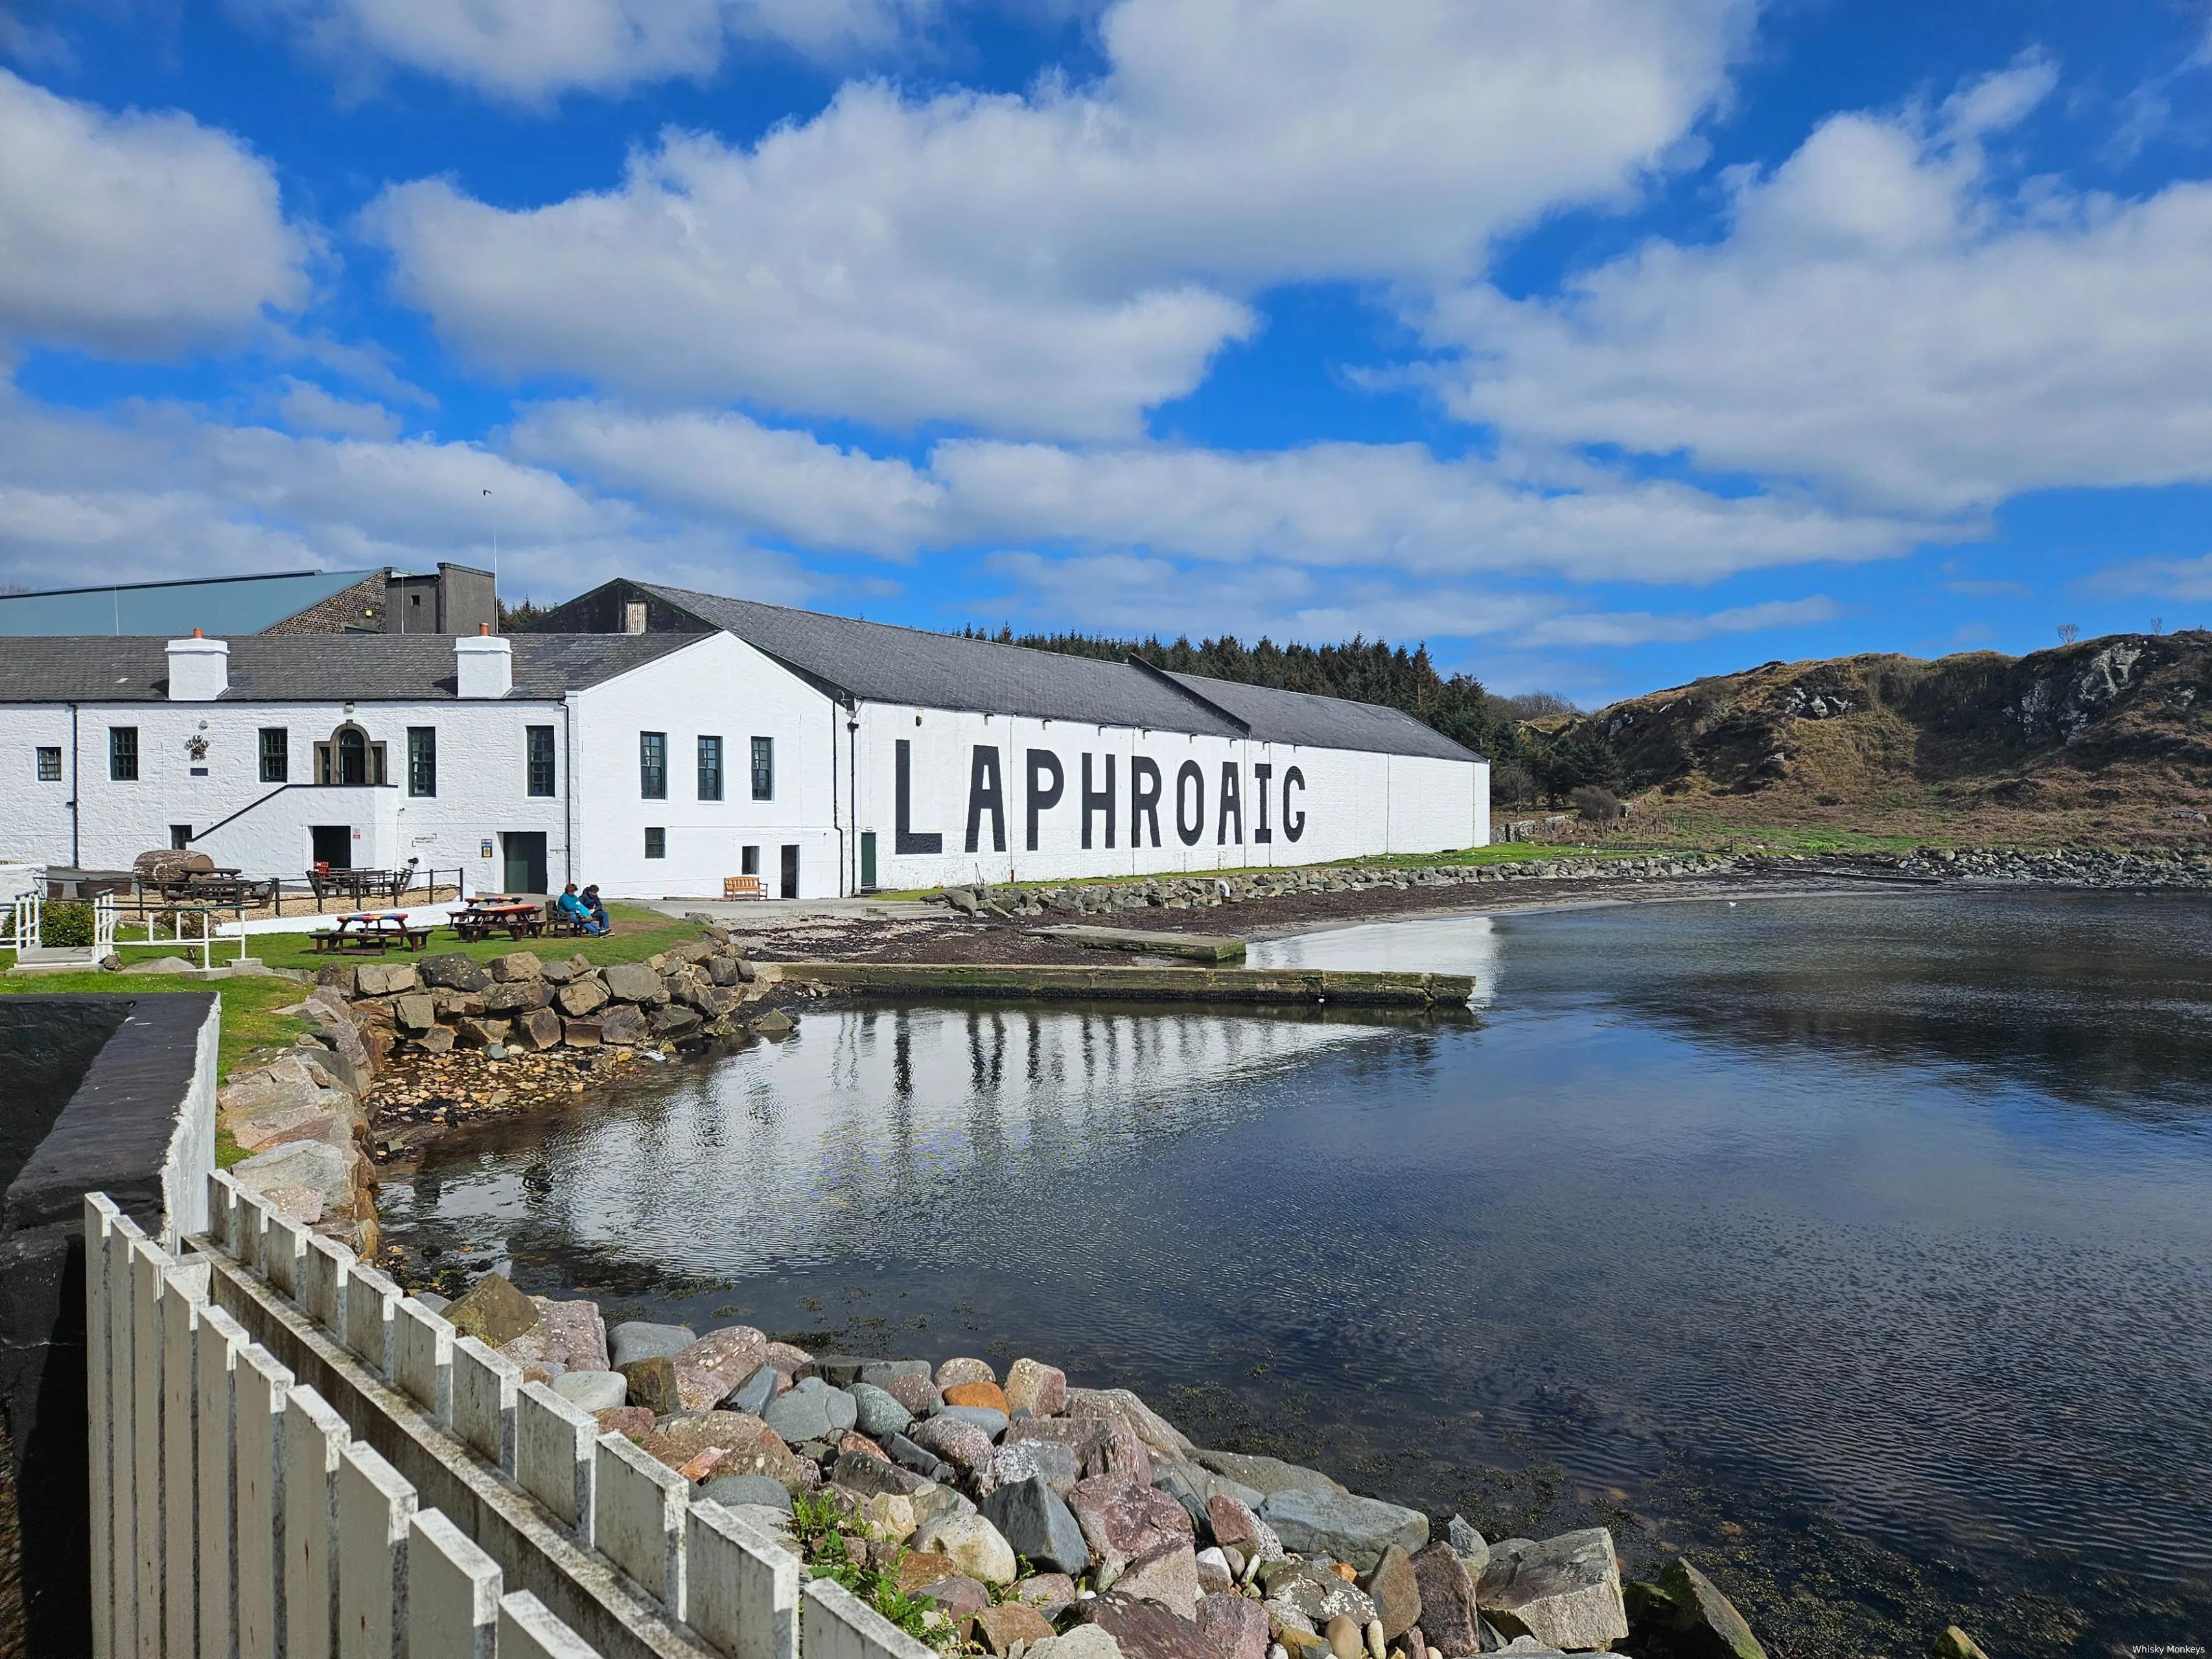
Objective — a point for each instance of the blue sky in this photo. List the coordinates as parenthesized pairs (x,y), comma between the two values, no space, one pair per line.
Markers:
(1600,344)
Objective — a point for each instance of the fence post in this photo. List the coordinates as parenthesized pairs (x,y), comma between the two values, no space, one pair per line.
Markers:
(637,1518)
(262,1385)
(370,1298)
(422,1359)
(220,1187)
(283,1242)
(249,1220)
(325,1273)
(483,1401)
(149,1264)
(452,1592)
(100,1241)
(837,1625)
(314,1437)
(556,1441)
(375,1507)
(182,1304)
(123,1464)
(222,1339)
(528,1630)
(742,1592)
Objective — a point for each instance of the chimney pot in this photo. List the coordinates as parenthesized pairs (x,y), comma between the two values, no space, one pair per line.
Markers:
(484,629)
(198,635)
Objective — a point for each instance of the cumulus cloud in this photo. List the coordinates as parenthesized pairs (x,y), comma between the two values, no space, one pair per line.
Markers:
(527,51)
(2173,578)
(135,235)
(308,407)
(1052,263)
(1886,320)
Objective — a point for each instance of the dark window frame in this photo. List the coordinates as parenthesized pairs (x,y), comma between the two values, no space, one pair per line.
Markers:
(275,758)
(422,761)
(122,754)
(710,769)
(656,841)
(49,770)
(763,769)
(652,766)
(541,778)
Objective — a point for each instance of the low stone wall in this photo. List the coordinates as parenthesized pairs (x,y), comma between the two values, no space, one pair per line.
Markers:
(2164,867)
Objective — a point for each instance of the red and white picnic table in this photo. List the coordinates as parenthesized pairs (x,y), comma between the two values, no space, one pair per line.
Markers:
(371,930)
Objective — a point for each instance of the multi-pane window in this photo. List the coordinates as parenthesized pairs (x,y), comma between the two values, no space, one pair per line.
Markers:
(656,843)
(652,765)
(540,748)
(276,754)
(763,769)
(50,765)
(710,769)
(123,753)
(422,760)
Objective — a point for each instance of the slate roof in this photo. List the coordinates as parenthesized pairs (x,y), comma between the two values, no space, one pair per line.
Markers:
(1272,716)
(878,662)
(314,668)
(222,606)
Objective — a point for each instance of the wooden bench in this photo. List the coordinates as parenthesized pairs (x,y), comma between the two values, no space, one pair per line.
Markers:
(371,930)
(481,921)
(743,887)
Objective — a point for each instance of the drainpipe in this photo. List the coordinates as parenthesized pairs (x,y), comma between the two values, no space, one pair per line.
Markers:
(75,855)
(568,787)
(853,777)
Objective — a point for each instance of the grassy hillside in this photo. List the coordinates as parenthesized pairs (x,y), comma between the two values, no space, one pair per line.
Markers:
(2102,740)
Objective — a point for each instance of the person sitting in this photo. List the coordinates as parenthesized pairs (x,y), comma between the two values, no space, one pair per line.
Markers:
(598,911)
(573,909)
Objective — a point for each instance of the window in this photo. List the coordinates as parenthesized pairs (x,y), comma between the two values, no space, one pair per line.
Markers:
(422,760)
(541,759)
(763,769)
(276,754)
(50,765)
(352,755)
(180,836)
(123,753)
(652,765)
(656,843)
(710,769)
(749,861)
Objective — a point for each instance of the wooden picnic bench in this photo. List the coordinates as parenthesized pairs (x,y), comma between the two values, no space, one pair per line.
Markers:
(743,887)
(482,917)
(371,930)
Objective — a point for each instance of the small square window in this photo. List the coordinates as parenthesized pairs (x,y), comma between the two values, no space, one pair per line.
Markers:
(50,765)
(180,836)
(656,843)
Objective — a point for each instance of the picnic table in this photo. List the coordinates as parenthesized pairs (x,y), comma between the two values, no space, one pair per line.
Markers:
(219,887)
(484,915)
(370,930)
(359,885)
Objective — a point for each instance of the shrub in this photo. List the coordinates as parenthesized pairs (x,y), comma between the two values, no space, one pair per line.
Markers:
(1596,805)
(66,925)
(1511,785)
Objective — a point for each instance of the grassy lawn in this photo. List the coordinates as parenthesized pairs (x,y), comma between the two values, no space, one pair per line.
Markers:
(637,934)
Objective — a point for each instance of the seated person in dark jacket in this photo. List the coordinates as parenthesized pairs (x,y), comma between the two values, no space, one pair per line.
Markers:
(573,909)
(598,911)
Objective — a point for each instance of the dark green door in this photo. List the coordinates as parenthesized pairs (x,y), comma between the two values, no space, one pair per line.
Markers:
(868,858)
(526,860)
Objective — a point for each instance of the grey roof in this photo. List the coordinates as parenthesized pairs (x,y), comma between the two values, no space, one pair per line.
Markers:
(314,667)
(1272,716)
(880,663)
(222,606)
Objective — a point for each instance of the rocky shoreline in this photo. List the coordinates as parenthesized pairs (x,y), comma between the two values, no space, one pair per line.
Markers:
(1017,1515)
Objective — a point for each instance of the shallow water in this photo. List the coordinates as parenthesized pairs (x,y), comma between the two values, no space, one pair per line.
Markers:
(1861,1246)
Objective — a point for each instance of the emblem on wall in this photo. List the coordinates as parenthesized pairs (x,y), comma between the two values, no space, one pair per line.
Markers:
(196,747)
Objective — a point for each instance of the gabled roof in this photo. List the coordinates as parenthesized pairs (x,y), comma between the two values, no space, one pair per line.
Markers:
(223,605)
(878,662)
(1269,716)
(316,668)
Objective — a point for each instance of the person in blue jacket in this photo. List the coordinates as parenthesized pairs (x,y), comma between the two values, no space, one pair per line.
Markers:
(574,908)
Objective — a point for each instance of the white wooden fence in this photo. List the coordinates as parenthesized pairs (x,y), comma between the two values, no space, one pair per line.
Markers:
(241,1513)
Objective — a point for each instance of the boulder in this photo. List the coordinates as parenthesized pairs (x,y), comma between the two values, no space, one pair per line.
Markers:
(593,1391)
(957,1597)
(310,1168)
(1356,1530)
(795,1362)
(1265,1476)
(634,982)
(714,1364)
(1700,1623)
(1447,1602)
(579,1033)
(280,1124)
(760,1386)
(581,997)
(1122,1520)
(920,1567)
(888,1515)
(812,1410)
(1000,1627)
(1565,1592)
(866,1475)
(652,1383)
(1955,1643)
(973,1544)
(632,1422)
(453,970)
(557,972)
(965,1371)
(516,966)
(1145,1630)
(774,1023)
(877,1412)
(1215,1570)
(1236,1627)
(541,1028)
(415,1013)
(917,1393)
(1084,1642)
(1168,1575)
(480,1033)
(1149,1426)
(751,1446)
(988,1395)
(1043,1459)
(991,1423)
(1039,1390)
(1469,1546)
(960,1443)
(1319,1595)
(672,1021)
(1394,1588)
(731,1490)
(384,979)
(1049,1592)
(1034,1521)
(622,1025)
(438,1040)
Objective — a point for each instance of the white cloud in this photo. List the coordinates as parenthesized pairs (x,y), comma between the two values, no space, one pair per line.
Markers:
(1886,321)
(2171,579)
(527,51)
(1052,263)
(1624,627)
(134,234)
(308,407)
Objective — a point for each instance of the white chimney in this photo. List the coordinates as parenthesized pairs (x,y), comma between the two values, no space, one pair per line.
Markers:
(485,664)
(199,669)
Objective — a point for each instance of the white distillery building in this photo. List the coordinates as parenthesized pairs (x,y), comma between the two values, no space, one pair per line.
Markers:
(699,738)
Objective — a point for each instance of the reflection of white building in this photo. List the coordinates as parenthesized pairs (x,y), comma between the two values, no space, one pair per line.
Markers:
(673,739)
